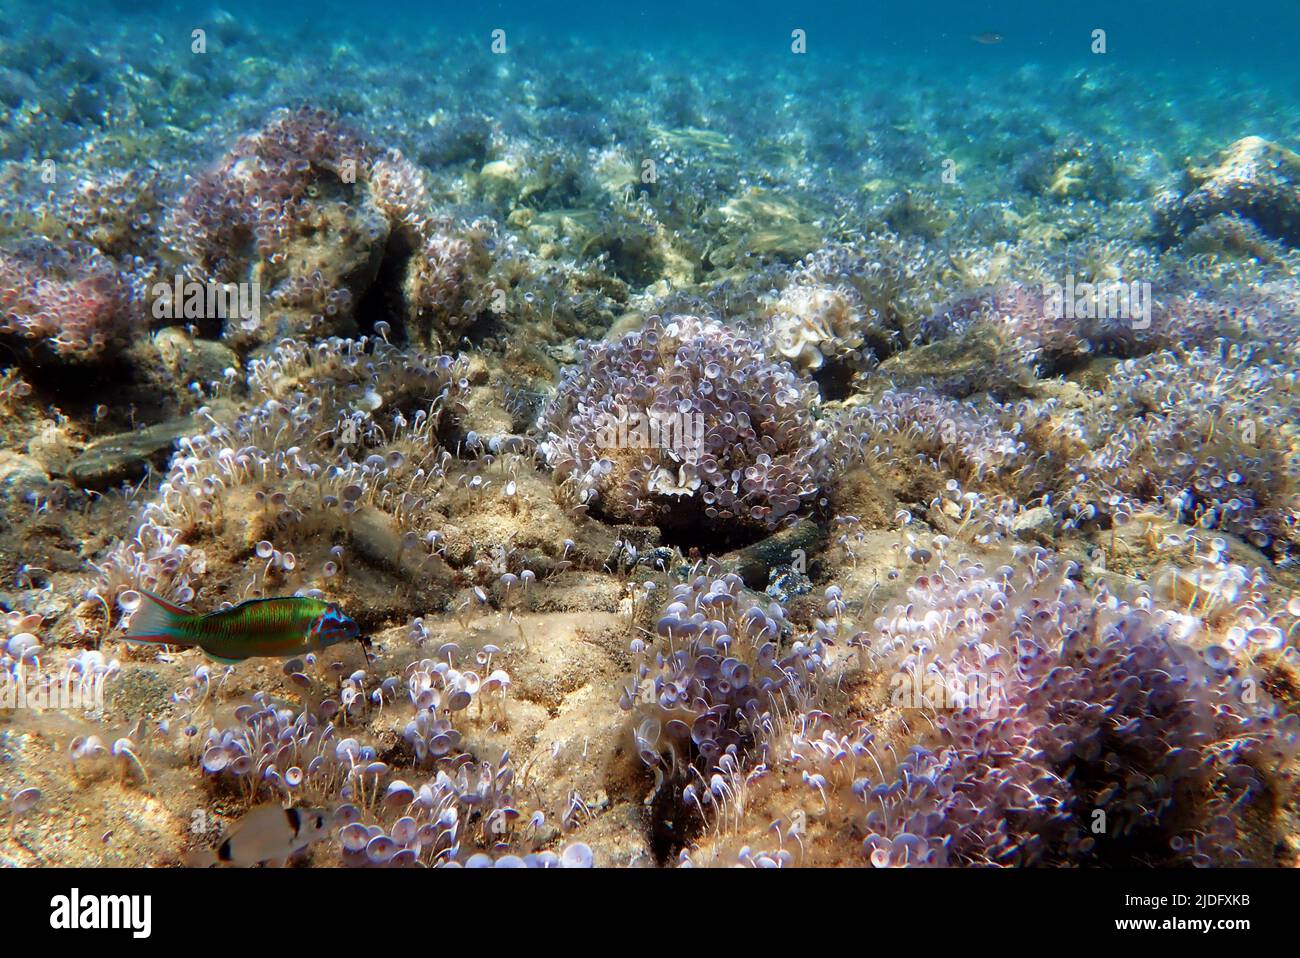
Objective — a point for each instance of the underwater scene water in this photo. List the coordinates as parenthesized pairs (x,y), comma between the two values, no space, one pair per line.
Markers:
(667,435)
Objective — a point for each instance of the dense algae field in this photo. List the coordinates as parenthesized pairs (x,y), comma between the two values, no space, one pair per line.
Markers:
(838,441)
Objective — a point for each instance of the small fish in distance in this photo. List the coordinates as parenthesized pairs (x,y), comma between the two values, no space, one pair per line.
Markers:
(279,627)
(988,39)
(267,833)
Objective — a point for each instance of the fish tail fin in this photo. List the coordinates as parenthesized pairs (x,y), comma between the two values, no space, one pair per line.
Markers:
(157,621)
(201,858)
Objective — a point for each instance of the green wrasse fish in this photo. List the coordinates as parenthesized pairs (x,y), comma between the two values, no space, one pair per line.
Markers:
(267,834)
(283,627)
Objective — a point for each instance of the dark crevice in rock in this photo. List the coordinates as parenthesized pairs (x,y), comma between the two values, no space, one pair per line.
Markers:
(385,299)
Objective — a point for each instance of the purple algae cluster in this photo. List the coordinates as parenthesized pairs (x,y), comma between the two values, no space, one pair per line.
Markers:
(734,438)
(1098,726)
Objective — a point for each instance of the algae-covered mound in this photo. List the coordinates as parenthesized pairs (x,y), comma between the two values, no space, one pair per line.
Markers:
(1251,178)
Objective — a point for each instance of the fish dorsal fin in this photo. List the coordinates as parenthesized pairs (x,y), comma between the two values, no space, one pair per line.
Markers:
(262,601)
(287,601)
(171,607)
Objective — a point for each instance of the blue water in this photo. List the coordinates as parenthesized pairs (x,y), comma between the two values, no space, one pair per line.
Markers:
(1201,30)
(1178,77)
(1143,30)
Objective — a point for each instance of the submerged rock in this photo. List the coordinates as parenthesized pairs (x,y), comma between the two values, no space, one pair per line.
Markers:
(1253,178)
(327,233)
(21,477)
(194,360)
(975,360)
(790,548)
(1069,170)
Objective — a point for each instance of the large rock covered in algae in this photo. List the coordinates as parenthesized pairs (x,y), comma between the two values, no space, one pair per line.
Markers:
(1253,178)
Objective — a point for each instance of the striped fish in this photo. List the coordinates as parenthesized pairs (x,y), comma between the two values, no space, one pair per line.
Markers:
(281,627)
(267,834)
